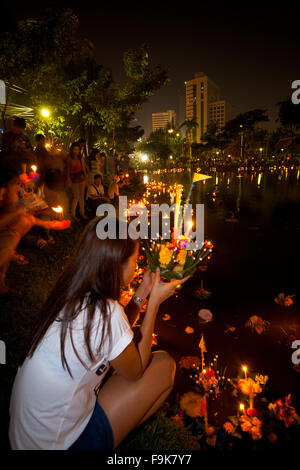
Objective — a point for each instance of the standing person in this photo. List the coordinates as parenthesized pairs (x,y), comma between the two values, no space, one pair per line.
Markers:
(113,188)
(102,163)
(94,164)
(54,176)
(110,164)
(58,399)
(83,148)
(16,142)
(76,174)
(42,155)
(40,150)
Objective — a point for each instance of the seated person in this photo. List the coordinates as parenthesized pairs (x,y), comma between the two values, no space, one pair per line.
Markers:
(113,188)
(14,224)
(95,194)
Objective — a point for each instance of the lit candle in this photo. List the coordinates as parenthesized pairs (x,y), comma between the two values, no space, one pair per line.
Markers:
(59,210)
(34,168)
(245,371)
(242,407)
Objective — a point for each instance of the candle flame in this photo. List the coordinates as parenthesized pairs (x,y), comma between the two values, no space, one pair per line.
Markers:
(245,368)
(57,209)
(242,407)
(34,168)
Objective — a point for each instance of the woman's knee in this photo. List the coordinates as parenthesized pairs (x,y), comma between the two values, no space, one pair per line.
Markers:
(166,364)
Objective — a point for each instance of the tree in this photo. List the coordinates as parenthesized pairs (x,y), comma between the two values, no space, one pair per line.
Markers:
(289,116)
(113,103)
(190,125)
(56,67)
(238,131)
(51,43)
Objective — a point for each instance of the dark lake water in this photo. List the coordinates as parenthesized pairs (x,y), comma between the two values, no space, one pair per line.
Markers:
(253,260)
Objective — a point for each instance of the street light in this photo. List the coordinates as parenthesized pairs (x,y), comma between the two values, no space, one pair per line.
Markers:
(144,157)
(45,112)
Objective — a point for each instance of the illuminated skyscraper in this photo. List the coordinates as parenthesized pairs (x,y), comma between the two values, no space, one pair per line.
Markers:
(160,120)
(203,103)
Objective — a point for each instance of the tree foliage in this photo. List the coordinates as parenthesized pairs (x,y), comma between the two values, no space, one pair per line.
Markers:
(289,116)
(56,66)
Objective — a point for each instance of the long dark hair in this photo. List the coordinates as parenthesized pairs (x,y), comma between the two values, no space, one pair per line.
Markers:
(71,151)
(92,277)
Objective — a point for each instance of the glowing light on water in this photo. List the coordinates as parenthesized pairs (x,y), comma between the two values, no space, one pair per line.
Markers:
(259,179)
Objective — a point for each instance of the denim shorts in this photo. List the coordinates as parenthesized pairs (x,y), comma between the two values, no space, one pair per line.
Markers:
(97,435)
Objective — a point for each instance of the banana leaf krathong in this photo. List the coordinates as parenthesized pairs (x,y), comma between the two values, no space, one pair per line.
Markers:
(172,258)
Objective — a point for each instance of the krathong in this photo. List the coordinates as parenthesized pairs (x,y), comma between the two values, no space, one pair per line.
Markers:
(173,259)
(208,380)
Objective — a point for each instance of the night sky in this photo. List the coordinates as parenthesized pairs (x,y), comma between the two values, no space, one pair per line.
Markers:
(252,51)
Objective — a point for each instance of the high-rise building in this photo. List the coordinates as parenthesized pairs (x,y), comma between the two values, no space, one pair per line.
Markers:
(203,103)
(181,106)
(161,120)
(218,113)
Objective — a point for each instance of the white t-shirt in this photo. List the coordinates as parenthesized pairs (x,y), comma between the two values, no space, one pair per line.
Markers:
(48,408)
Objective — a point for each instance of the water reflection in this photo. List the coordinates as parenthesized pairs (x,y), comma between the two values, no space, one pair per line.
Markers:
(261,198)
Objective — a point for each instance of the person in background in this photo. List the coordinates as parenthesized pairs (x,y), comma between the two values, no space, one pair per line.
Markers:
(16,142)
(42,155)
(77,179)
(123,163)
(40,150)
(123,180)
(110,164)
(102,163)
(113,188)
(59,400)
(15,223)
(54,178)
(95,194)
(83,151)
(94,164)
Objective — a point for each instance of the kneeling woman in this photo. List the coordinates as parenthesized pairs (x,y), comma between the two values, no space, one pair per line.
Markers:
(58,401)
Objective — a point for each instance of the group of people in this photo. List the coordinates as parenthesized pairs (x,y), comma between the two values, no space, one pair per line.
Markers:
(34,180)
